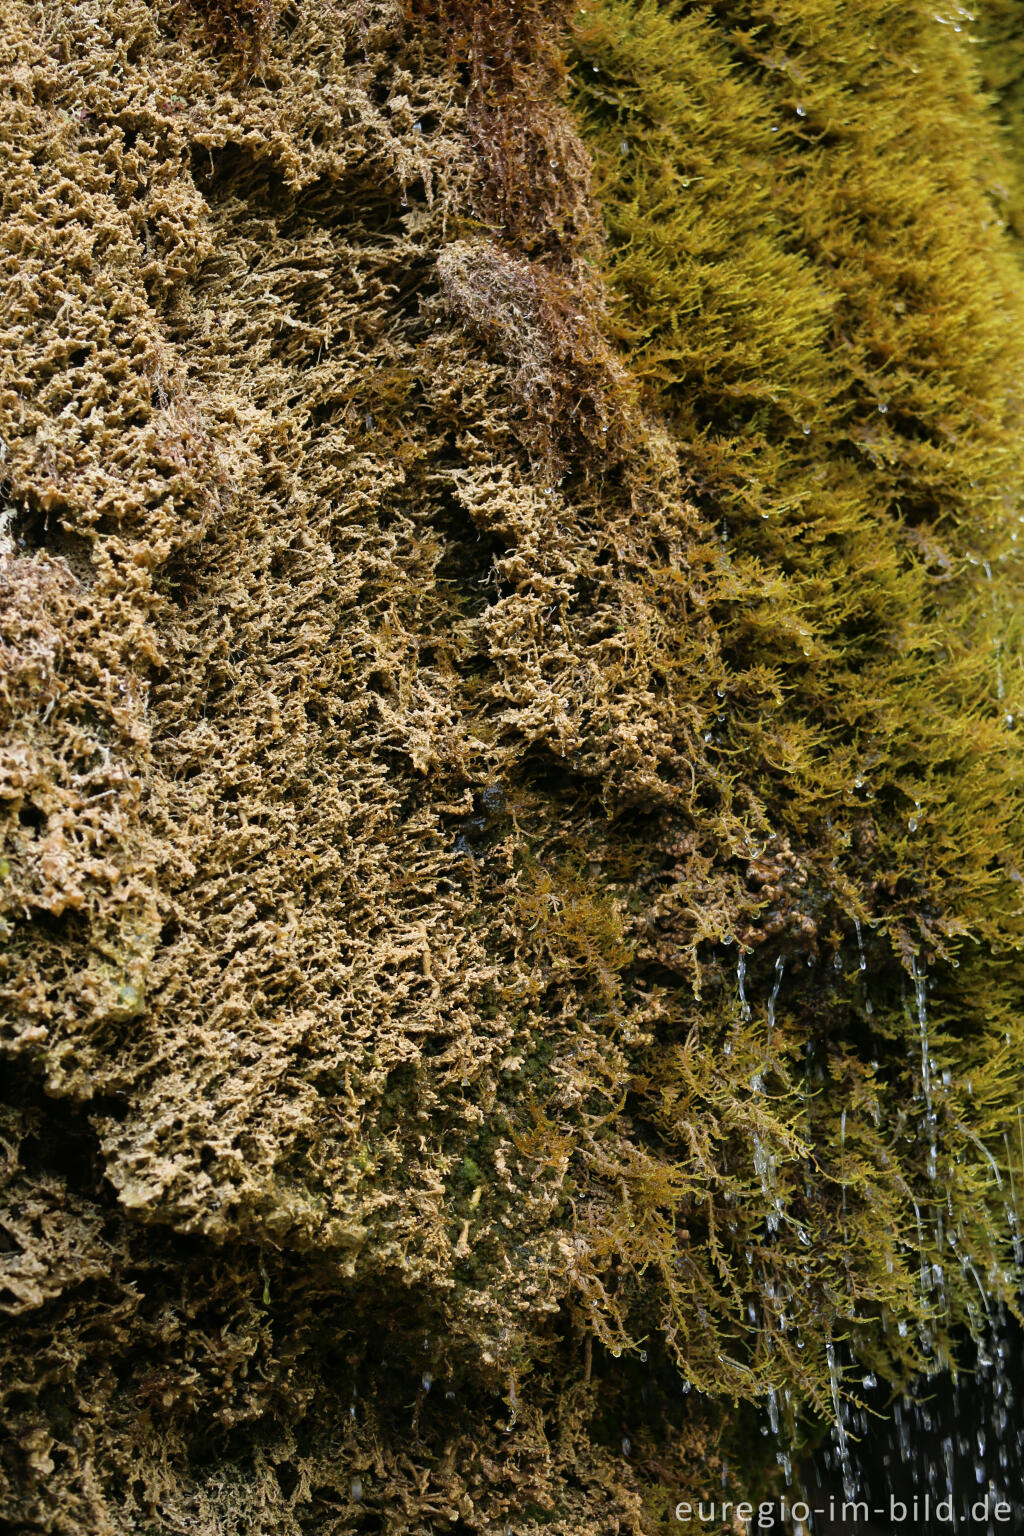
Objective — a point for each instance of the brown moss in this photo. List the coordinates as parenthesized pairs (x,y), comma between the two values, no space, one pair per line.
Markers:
(534,188)
(299,621)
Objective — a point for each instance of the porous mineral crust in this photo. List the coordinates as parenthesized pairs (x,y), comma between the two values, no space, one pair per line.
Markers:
(442,1092)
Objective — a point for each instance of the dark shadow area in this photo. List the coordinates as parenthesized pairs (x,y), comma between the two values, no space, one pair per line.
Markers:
(947,1459)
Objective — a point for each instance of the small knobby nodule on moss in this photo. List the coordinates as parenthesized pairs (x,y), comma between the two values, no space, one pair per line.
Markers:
(510,675)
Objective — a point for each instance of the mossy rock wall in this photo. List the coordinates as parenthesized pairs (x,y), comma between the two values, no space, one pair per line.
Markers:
(511,679)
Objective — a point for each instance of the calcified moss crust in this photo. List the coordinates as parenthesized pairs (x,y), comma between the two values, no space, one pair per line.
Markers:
(509,594)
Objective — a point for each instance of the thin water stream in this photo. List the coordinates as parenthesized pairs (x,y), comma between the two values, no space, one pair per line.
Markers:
(948,1458)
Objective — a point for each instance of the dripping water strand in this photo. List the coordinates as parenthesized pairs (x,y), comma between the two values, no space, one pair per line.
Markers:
(764,1160)
(998,642)
(1013,1207)
(958,1437)
(863,966)
(849,1486)
(926,1067)
(741,981)
(780,966)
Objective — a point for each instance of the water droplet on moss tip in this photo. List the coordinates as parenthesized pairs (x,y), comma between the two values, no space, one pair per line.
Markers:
(882,410)
(428,1381)
(626,1447)
(643,1357)
(912,824)
(615,1353)
(801,111)
(357,1489)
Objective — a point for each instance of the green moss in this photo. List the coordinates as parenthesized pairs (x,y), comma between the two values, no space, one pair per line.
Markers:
(810,281)
(823,307)
(1000,32)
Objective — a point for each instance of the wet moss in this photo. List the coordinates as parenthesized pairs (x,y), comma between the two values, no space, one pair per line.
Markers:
(810,280)
(511,915)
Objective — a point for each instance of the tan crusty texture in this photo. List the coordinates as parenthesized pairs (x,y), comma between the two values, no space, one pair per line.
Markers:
(297,622)
(439,1067)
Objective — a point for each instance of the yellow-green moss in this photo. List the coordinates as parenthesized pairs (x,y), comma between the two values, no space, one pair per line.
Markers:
(809,278)
(999,29)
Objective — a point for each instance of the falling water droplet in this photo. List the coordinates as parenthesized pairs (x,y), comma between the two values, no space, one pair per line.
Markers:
(741,978)
(780,966)
(926,1068)
(849,1487)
